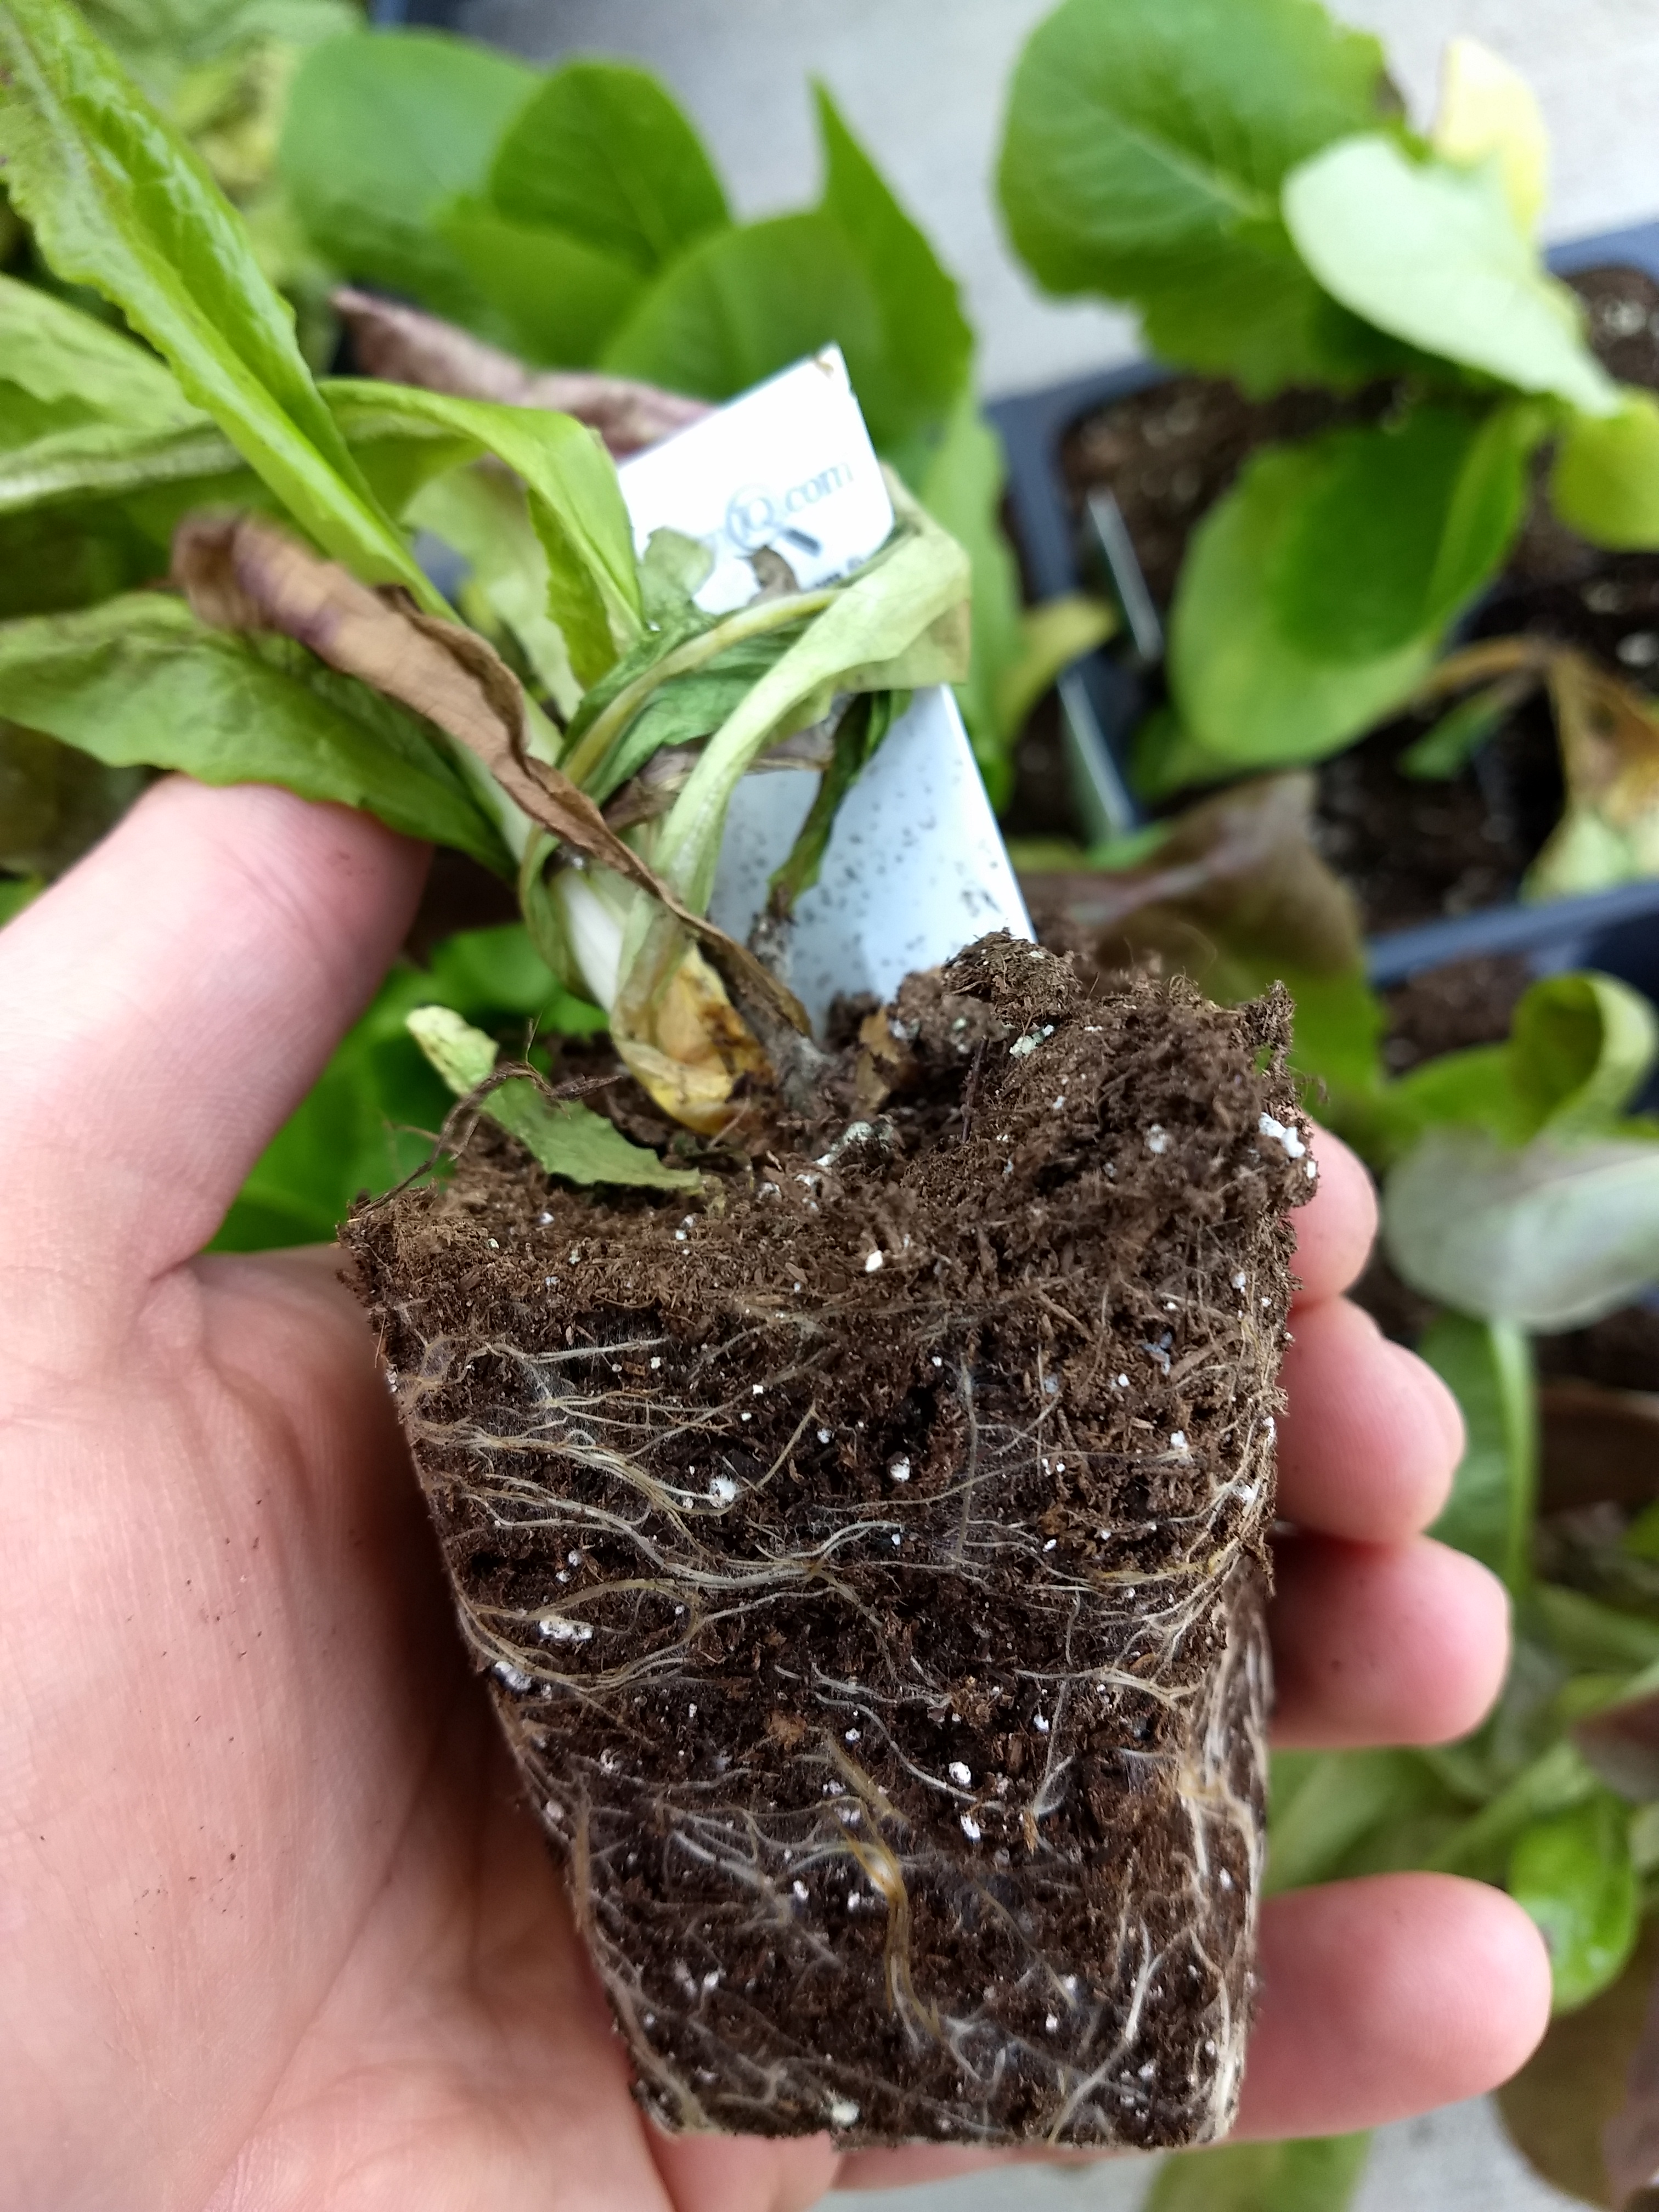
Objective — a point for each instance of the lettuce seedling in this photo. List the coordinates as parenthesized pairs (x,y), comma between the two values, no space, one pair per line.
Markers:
(1242,175)
(575,218)
(305,646)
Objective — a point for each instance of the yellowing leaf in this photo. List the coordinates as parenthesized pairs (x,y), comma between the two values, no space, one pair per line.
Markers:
(1429,253)
(1488,110)
(567,1138)
(1052,636)
(1608,832)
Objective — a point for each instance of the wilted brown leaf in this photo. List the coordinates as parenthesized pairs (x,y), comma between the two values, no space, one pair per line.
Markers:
(243,574)
(1622,1743)
(1583,2108)
(1599,1445)
(402,346)
(1237,879)
(1630,2140)
(1608,734)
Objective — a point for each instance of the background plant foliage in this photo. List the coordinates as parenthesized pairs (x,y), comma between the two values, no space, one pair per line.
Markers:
(1241,172)
(575,218)
(267,662)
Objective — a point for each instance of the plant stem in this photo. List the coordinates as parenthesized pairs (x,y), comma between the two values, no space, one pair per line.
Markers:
(756,621)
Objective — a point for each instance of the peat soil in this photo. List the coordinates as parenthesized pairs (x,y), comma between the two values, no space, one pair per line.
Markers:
(1412,850)
(867,1560)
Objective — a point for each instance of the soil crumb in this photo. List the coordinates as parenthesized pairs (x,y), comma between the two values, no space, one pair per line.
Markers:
(868,1559)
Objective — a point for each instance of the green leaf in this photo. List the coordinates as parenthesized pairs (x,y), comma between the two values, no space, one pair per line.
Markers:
(1572,1875)
(1446,750)
(1326,1804)
(139,681)
(1431,253)
(119,204)
(1580,1048)
(744,304)
(80,368)
(602,153)
(856,272)
(1053,635)
(70,556)
(98,459)
(575,502)
(858,736)
(567,1138)
(559,299)
(1606,480)
(1316,2174)
(1488,1366)
(491,974)
(483,514)
(927,345)
(1549,1236)
(892,628)
(54,801)
(687,708)
(1404,524)
(1316,593)
(163,41)
(960,478)
(1587,1634)
(15,893)
(1143,155)
(383,130)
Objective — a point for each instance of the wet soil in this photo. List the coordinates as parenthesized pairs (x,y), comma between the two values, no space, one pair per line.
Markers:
(1412,851)
(867,1560)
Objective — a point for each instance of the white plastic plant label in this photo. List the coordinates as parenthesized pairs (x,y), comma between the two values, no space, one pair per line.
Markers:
(789,466)
(916,868)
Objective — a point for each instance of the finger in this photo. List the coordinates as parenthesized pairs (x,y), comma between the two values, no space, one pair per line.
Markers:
(1336,1229)
(742,2173)
(916,2162)
(1387,1996)
(1379,1998)
(1371,1436)
(165,1006)
(1402,1644)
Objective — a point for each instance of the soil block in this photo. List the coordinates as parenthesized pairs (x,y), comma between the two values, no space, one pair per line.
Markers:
(868,1561)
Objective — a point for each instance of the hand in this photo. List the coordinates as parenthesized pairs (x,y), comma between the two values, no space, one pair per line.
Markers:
(277,1935)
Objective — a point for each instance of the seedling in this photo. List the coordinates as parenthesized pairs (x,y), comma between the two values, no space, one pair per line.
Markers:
(859,1499)
(1276,221)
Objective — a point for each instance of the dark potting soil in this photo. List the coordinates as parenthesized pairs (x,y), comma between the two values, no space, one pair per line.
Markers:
(1462,1003)
(1412,850)
(1599,1456)
(868,1560)
(1621,1352)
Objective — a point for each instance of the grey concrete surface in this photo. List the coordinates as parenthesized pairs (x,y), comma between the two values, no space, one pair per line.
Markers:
(922,81)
